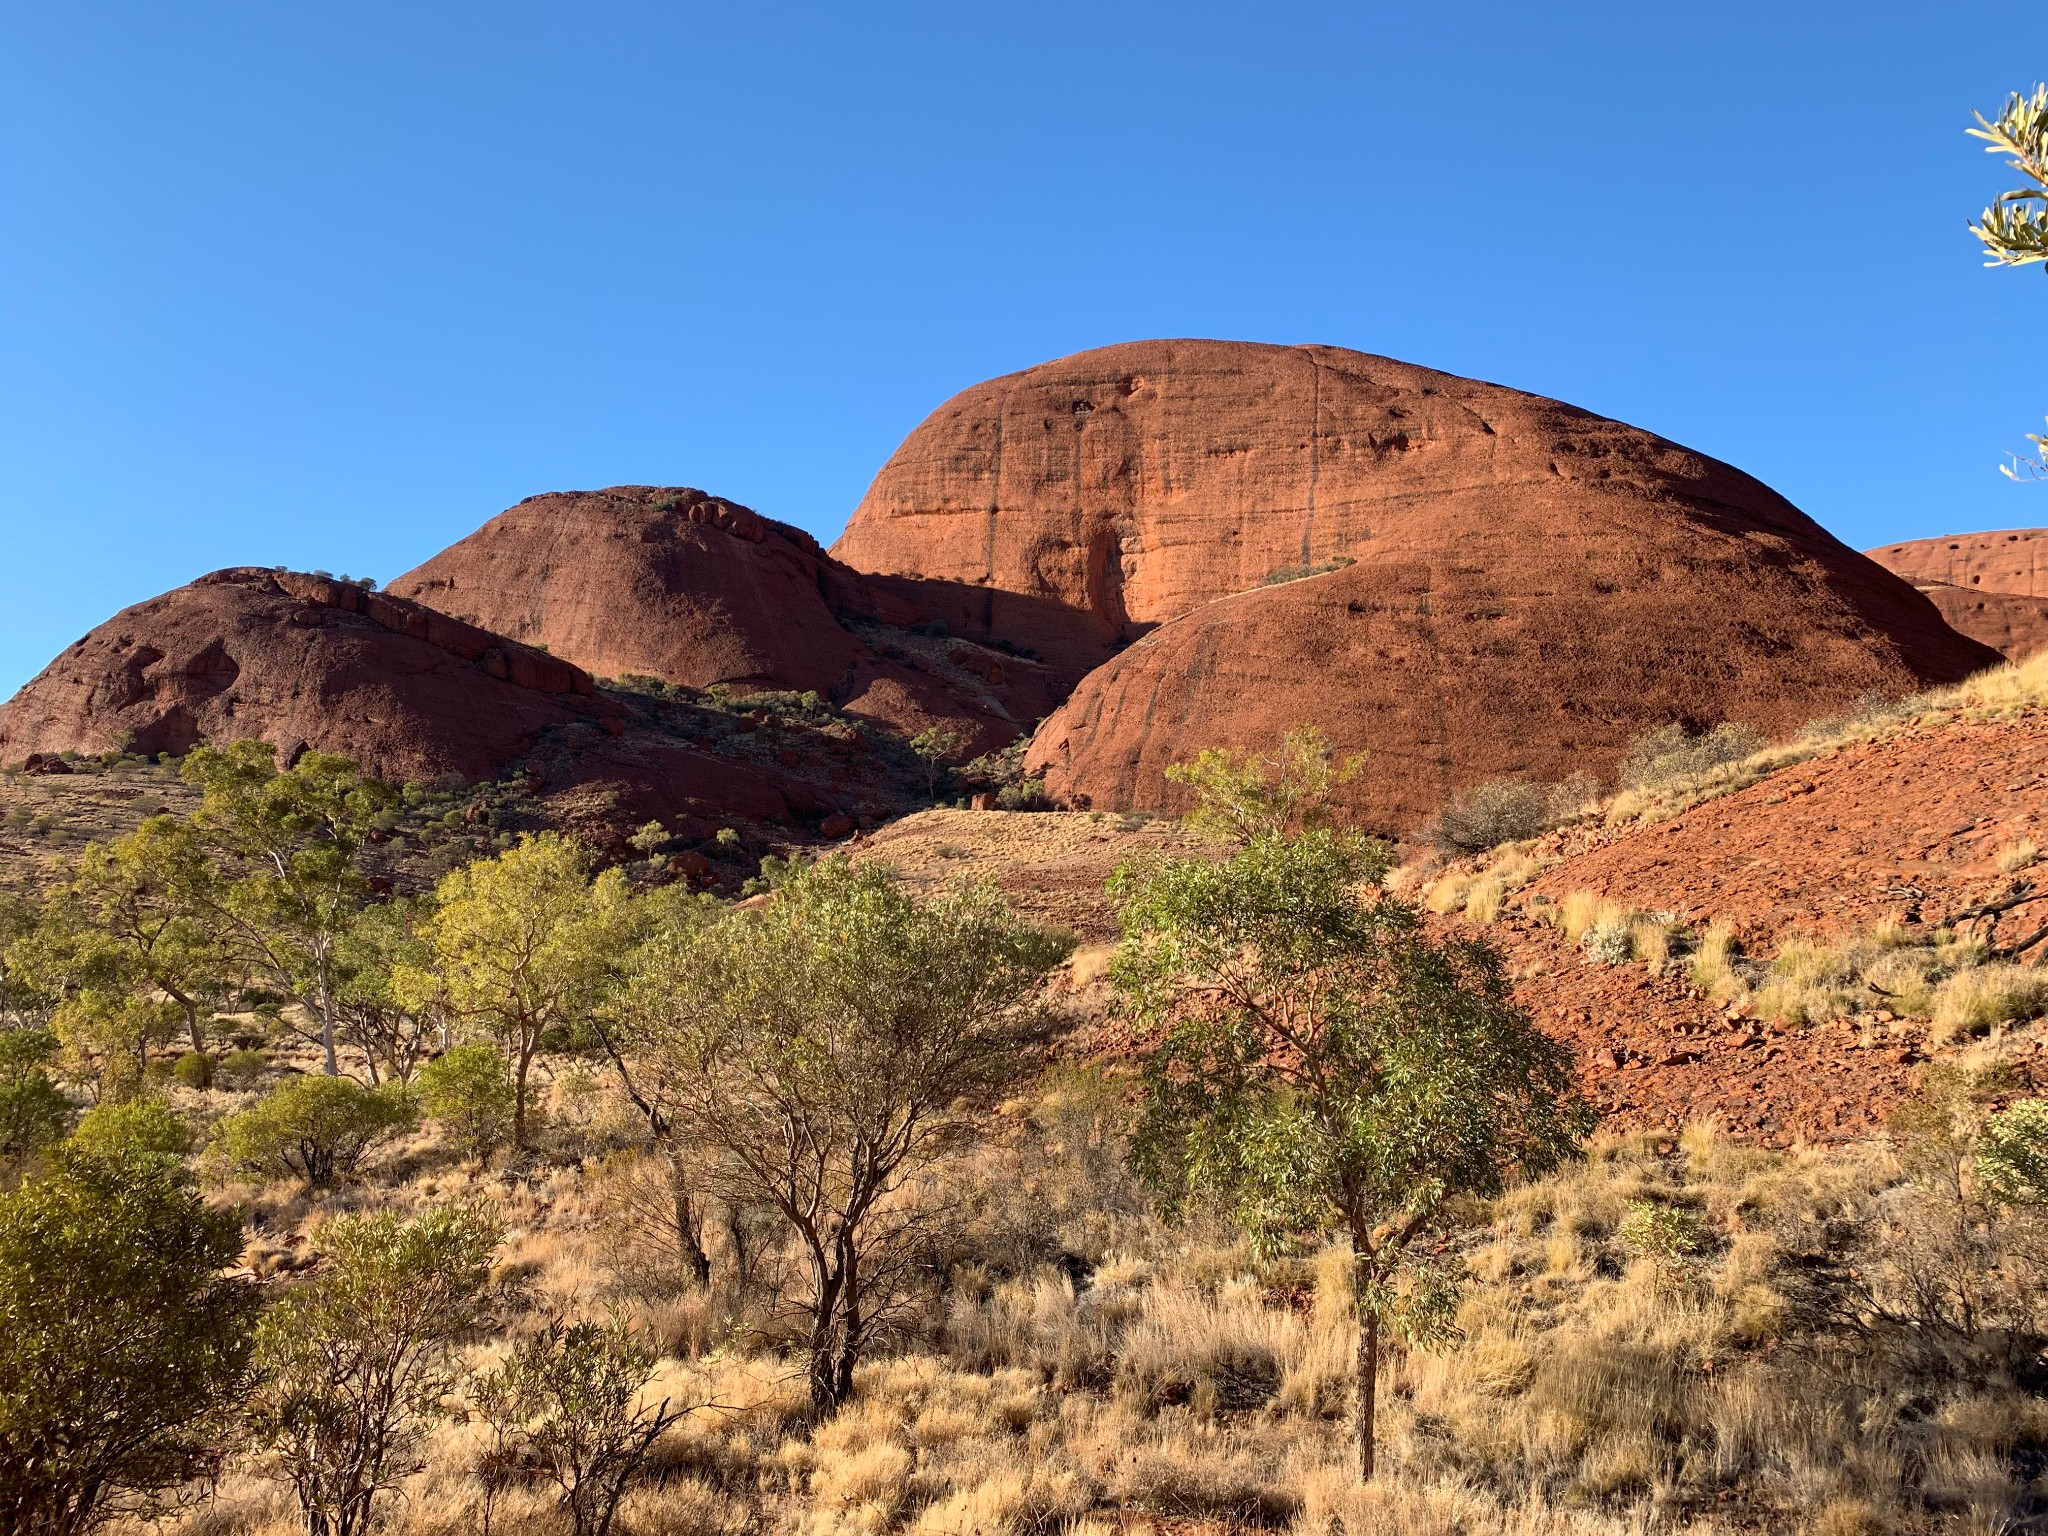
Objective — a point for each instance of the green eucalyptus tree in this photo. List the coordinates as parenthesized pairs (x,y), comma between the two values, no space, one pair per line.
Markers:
(2014,229)
(1322,1065)
(826,1050)
(291,839)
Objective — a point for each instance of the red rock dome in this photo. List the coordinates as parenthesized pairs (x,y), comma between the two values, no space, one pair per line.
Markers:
(1508,584)
(2011,560)
(1991,586)
(674,584)
(301,662)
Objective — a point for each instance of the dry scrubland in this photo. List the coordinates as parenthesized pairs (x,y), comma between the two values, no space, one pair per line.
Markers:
(1670,1332)
(1674,1334)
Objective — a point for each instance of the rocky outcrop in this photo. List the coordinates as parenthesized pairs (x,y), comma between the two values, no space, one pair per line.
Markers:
(302,662)
(1991,586)
(1077,505)
(691,589)
(2011,560)
(1463,664)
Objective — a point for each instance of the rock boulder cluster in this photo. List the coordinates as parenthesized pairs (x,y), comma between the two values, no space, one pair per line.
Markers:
(1151,548)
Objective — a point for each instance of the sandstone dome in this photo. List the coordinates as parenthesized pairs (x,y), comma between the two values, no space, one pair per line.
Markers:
(692,589)
(1464,579)
(301,662)
(1991,586)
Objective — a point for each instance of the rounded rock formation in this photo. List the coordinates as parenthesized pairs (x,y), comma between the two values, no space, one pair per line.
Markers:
(301,662)
(691,589)
(1991,586)
(2012,560)
(1079,504)
(1466,579)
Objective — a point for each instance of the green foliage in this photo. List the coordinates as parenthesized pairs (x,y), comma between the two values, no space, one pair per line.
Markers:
(1667,754)
(470,1092)
(393,1030)
(935,746)
(359,1361)
(1241,795)
(2014,229)
(521,943)
(136,1129)
(241,1069)
(291,839)
(121,1347)
(314,1128)
(194,1069)
(1320,1064)
(567,1402)
(34,1113)
(2012,1154)
(828,1047)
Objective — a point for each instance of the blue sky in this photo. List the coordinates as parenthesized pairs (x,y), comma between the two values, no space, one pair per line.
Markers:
(328,286)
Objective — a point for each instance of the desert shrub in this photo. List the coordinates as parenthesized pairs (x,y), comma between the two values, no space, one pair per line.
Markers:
(1608,943)
(470,1091)
(2012,1154)
(1487,815)
(1975,1000)
(194,1069)
(121,1346)
(34,1113)
(241,1069)
(566,1403)
(314,1128)
(359,1361)
(147,1128)
(1670,753)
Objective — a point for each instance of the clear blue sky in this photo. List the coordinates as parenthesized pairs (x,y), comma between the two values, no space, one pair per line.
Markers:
(330,285)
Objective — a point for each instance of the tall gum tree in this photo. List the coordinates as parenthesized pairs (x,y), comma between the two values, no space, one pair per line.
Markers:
(1321,1065)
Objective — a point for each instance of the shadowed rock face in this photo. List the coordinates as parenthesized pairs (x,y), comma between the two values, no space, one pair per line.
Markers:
(301,662)
(692,589)
(1087,501)
(1991,586)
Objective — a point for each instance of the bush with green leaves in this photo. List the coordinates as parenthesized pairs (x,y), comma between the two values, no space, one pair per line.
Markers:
(470,1091)
(315,1128)
(1322,1065)
(357,1363)
(194,1069)
(34,1113)
(1670,753)
(241,1069)
(147,1128)
(122,1348)
(1489,814)
(2012,1154)
(567,1402)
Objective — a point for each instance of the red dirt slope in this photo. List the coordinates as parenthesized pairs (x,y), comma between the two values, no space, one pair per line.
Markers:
(1908,825)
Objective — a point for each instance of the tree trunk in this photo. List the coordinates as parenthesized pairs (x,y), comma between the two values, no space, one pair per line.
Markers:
(824,1372)
(523,1060)
(327,1021)
(689,1223)
(1368,1390)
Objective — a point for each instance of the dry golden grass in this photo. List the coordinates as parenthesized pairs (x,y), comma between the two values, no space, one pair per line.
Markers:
(1079,1367)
